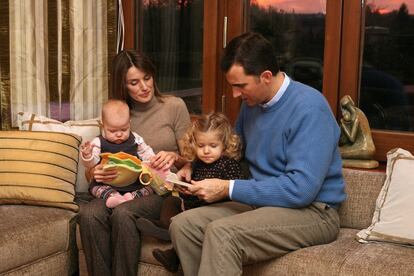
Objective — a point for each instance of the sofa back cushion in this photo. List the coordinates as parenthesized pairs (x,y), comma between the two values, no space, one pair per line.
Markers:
(87,129)
(362,188)
(38,168)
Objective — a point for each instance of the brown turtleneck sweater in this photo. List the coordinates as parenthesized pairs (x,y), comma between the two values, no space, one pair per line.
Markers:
(161,124)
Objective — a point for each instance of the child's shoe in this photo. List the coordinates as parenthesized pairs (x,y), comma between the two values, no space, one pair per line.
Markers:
(168,258)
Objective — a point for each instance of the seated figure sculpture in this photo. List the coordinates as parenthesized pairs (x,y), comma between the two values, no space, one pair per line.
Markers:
(356,144)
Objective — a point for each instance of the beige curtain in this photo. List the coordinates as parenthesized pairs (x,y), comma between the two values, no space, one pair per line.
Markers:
(59,51)
(89,67)
(28,57)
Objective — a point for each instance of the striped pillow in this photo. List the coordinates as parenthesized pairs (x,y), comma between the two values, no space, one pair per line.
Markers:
(38,168)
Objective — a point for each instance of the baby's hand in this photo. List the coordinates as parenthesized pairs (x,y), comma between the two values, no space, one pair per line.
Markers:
(86,149)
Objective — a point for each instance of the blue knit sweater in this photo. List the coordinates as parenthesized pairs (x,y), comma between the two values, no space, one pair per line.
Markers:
(292,151)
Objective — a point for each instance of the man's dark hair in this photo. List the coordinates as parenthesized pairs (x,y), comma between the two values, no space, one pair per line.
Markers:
(253,52)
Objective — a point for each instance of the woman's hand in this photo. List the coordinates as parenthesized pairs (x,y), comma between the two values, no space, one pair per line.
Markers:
(101,175)
(163,160)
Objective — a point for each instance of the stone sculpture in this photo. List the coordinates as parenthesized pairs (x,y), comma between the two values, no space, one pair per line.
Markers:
(356,144)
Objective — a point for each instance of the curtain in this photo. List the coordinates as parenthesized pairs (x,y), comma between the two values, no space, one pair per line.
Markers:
(59,52)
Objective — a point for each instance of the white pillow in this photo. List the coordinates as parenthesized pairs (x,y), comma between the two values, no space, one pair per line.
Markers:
(87,129)
(393,219)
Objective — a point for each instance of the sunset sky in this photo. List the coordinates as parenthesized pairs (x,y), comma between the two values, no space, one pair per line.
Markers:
(316,6)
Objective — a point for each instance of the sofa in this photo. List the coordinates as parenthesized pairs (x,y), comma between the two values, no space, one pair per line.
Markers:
(38,236)
(38,172)
(345,256)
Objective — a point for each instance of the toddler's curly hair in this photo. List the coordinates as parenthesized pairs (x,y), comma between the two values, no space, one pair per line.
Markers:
(214,121)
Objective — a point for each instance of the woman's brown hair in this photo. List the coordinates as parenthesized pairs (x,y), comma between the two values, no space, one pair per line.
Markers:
(120,66)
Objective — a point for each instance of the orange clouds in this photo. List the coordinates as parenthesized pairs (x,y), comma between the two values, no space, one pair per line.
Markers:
(390,5)
(319,6)
(299,6)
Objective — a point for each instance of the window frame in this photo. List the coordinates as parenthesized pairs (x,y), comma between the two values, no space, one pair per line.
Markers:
(342,58)
(350,76)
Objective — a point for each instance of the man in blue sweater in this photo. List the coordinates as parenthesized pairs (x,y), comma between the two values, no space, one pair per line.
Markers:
(290,140)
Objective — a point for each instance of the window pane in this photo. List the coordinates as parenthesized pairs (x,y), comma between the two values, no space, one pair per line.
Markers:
(387,75)
(297,31)
(173,37)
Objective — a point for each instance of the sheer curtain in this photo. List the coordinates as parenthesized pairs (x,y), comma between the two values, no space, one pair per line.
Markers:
(59,52)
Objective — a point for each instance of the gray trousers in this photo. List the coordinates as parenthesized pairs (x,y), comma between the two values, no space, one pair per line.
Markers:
(218,239)
(110,238)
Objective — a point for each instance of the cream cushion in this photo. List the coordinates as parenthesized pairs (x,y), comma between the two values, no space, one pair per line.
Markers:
(87,129)
(393,217)
(38,168)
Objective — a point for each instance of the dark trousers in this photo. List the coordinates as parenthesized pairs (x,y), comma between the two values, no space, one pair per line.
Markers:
(110,238)
(170,207)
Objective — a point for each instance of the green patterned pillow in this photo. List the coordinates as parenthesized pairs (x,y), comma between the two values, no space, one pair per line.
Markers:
(38,168)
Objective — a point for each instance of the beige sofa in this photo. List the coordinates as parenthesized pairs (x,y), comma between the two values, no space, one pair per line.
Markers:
(345,256)
(37,240)
(37,212)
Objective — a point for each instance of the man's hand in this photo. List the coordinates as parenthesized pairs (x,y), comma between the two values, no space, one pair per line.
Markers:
(210,190)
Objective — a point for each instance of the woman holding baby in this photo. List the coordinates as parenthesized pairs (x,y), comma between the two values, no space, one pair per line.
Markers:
(110,238)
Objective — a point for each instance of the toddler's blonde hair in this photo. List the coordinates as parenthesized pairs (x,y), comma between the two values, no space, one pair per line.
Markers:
(214,121)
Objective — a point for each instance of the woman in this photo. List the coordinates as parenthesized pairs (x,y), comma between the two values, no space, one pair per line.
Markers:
(110,238)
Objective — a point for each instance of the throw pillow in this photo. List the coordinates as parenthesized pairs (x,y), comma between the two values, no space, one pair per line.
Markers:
(38,168)
(393,216)
(87,129)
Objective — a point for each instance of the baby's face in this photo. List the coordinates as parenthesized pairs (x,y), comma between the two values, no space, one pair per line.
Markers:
(116,129)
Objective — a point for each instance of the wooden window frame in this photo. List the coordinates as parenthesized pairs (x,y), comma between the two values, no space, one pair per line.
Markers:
(350,76)
(342,59)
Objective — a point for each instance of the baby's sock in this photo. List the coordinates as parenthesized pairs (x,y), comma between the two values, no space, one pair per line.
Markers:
(128,196)
(117,199)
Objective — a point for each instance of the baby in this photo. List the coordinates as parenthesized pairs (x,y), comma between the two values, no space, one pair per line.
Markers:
(116,137)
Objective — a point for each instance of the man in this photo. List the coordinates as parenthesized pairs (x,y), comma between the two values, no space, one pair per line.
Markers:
(290,140)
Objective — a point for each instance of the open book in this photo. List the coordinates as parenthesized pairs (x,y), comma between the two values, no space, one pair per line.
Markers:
(173,178)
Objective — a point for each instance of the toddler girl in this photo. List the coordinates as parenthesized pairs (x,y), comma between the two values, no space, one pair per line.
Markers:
(214,149)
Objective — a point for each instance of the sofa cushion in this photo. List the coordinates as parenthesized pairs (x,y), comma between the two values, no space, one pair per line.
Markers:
(38,168)
(393,216)
(29,233)
(379,259)
(362,188)
(87,129)
(341,257)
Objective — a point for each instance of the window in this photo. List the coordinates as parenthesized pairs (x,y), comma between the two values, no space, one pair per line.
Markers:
(339,47)
(297,31)
(387,72)
(171,34)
